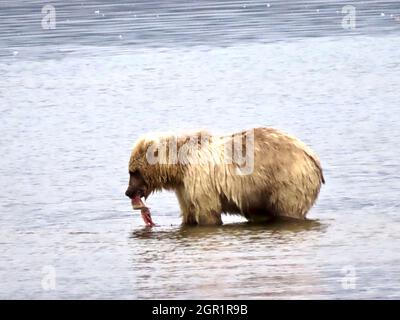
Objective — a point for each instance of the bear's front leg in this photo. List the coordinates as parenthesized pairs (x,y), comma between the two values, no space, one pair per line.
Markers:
(187,208)
(208,218)
(189,216)
(199,207)
(207,208)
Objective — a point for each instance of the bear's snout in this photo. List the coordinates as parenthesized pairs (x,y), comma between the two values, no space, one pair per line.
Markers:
(130,192)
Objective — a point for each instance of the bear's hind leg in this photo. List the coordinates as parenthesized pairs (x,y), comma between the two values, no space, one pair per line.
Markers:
(258,215)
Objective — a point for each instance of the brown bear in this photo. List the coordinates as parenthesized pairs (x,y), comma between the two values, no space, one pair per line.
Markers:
(260,174)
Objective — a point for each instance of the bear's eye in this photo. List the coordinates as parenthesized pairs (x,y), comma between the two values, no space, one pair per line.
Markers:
(135,173)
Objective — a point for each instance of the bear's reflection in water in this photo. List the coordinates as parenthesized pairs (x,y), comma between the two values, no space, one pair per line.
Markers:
(278,225)
(239,260)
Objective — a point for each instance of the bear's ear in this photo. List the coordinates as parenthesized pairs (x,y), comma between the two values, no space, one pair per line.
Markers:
(142,146)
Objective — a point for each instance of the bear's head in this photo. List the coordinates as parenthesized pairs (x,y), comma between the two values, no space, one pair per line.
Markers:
(159,161)
(151,167)
(141,172)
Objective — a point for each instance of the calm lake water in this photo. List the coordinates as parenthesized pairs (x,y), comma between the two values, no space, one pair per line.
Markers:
(74,99)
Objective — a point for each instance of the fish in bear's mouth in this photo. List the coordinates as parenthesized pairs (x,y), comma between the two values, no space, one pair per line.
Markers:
(138,204)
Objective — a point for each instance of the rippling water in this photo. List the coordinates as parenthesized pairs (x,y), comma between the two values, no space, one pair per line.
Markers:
(74,99)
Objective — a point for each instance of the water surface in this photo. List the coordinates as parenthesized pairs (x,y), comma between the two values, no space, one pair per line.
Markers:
(74,99)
